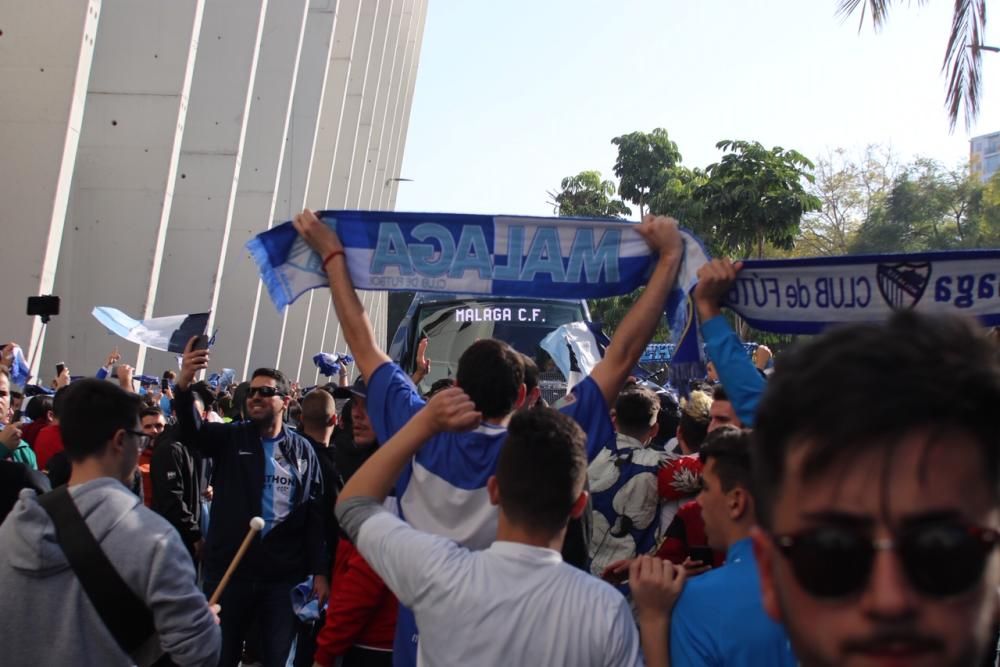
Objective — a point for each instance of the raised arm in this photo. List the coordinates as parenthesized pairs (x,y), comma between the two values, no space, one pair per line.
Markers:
(192,431)
(636,329)
(737,373)
(354,322)
(448,410)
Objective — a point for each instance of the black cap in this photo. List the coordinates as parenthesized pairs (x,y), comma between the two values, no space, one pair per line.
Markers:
(357,389)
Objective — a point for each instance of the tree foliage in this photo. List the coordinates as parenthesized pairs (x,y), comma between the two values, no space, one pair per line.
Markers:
(929,207)
(587,195)
(848,189)
(755,195)
(643,165)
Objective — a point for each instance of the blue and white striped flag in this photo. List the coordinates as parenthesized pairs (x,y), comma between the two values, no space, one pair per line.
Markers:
(169,334)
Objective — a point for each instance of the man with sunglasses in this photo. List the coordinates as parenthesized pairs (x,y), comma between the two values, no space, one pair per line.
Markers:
(877,464)
(261,469)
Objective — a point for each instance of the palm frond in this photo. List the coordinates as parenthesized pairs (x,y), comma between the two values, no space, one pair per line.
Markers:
(878,9)
(963,60)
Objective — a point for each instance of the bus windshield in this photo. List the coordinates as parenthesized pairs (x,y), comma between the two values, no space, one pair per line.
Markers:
(452,326)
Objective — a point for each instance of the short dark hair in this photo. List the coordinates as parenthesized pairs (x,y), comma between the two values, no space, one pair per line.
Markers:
(864,387)
(530,372)
(719,393)
(150,412)
(729,447)
(94,410)
(440,385)
(279,379)
(541,469)
(38,407)
(59,401)
(491,372)
(636,410)
(204,391)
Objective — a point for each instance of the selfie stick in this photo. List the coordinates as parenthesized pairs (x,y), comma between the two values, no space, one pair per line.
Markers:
(256,525)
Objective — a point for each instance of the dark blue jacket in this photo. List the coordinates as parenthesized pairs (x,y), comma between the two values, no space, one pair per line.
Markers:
(295,547)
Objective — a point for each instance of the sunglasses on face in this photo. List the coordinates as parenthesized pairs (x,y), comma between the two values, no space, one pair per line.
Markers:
(940,559)
(266,392)
(142,440)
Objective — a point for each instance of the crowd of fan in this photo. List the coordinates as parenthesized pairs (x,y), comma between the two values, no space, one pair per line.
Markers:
(843,510)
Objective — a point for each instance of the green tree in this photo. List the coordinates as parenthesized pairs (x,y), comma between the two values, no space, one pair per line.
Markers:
(587,195)
(677,196)
(962,59)
(848,189)
(754,196)
(643,165)
(928,207)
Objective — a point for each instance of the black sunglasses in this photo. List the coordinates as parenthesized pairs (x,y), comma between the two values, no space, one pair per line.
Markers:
(266,392)
(145,440)
(941,559)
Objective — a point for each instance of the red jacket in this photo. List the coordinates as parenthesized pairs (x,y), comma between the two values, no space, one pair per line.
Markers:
(48,443)
(30,432)
(687,530)
(361,611)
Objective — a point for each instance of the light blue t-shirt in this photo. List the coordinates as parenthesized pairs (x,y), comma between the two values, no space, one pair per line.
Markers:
(720,619)
(281,484)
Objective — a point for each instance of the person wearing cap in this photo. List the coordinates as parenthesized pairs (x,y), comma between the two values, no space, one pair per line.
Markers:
(357,442)
(261,468)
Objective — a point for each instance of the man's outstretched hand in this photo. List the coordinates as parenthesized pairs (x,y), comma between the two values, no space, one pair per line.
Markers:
(715,279)
(317,235)
(662,235)
(194,361)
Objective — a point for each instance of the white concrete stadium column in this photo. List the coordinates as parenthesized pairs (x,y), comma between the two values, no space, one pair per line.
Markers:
(256,192)
(374,96)
(264,346)
(403,118)
(120,198)
(407,43)
(295,340)
(46,51)
(209,165)
(378,149)
(322,317)
(318,180)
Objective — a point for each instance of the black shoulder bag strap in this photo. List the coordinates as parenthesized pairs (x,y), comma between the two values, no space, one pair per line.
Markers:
(125,615)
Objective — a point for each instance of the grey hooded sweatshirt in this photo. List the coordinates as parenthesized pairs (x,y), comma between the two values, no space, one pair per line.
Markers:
(48,618)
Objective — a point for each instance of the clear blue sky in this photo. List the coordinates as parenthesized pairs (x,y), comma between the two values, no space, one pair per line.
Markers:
(512,96)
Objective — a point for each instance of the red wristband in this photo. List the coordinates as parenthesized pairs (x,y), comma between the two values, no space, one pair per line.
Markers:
(334,253)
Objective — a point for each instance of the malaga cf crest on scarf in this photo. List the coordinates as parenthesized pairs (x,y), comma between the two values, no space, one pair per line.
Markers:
(902,284)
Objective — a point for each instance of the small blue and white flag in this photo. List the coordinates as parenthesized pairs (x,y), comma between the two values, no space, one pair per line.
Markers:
(330,364)
(19,371)
(169,334)
(221,379)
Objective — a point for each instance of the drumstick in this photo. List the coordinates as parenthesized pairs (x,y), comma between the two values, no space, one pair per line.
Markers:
(256,525)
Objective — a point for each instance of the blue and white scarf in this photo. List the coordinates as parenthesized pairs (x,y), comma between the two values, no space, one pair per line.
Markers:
(575,258)
(330,364)
(170,334)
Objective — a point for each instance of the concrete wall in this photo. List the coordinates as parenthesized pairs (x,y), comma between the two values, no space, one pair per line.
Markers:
(148,141)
